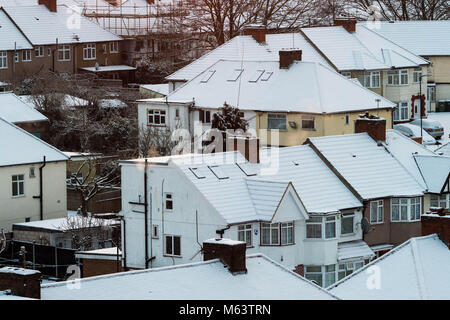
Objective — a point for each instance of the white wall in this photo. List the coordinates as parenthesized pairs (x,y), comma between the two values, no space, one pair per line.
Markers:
(16,210)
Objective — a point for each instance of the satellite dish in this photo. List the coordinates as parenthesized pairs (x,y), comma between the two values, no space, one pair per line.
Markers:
(365,224)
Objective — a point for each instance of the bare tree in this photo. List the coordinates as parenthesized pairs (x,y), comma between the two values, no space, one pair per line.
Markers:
(93,177)
(157,141)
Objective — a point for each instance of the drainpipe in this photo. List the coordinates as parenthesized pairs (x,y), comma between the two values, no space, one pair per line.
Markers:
(41,194)
(146,213)
(124,248)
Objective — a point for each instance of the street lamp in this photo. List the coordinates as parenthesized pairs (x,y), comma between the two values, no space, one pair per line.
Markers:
(420,99)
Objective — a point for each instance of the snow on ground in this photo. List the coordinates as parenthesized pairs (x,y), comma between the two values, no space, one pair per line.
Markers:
(444,119)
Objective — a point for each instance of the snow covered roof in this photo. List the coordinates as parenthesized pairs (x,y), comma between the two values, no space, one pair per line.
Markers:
(360,50)
(242,192)
(43,27)
(424,38)
(10,36)
(20,271)
(248,49)
(64,224)
(109,68)
(264,280)
(14,110)
(415,270)
(262,85)
(435,171)
(354,249)
(404,149)
(99,254)
(32,149)
(162,88)
(370,169)
(444,150)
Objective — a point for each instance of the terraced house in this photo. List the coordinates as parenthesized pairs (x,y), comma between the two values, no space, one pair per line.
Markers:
(379,64)
(44,36)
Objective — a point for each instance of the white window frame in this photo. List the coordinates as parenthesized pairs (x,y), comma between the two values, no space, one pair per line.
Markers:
(17,180)
(324,221)
(89,51)
(173,246)
(168,198)
(3,59)
(155,231)
(16,57)
(440,199)
(417,73)
(395,77)
(154,113)
(39,51)
(379,214)
(26,56)
(287,227)
(348,216)
(277,117)
(407,203)
(245,234)
(114,47)
(65,51)
(269,227)
(372,79)
(399,111)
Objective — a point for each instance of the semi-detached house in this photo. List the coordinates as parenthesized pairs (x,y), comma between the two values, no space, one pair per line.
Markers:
(43,36)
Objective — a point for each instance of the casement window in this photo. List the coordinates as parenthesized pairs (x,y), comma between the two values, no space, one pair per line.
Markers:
(308,122)
(114,47)
(321,228)
(276,121)
(155,231)
(287,233)
(401,112)
(3,60)
(157,117)
(346,269)
(245,234)
(26,55)
(347,74)
(417,74)
(398,77)
(347,223)
(39,51)
(16,57)
(405,209)
(377,211)
(270,234)
(18,185)
(204,116)
(89,51)
(172,246)
(440,201)
(64,53)
(168,200)
(371,79)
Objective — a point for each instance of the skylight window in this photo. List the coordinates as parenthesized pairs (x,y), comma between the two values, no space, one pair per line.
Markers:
(208,76)
(249,169)
(218,172)
(255,77)
(235,75)
(266,76)
(197,173)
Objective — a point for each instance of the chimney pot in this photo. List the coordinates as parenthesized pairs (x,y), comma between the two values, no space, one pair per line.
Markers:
(230,252)
(248,146)
(348,24)
(288,56)
(373,125)
(257,31)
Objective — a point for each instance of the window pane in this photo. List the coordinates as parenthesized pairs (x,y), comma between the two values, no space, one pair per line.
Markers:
(265,236)
(168,245)
(177,246)
(347,225)
(314,231)
(275,239)
(330,230)
(314,277)
(404,213)
(395,212)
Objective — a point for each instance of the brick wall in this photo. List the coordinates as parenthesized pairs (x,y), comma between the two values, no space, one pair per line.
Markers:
(97,267)
(439,225)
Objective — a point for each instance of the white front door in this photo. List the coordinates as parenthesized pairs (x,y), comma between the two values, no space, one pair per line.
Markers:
(417,109)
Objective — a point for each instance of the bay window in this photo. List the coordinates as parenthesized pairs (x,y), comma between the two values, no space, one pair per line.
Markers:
(274,234)
(346,269)
(321,228)
(405,209)
(276,121)
(440,201)
(376,211)
(326,276)
(245,234)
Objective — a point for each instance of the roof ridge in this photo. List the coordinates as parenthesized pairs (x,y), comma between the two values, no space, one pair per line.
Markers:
(418,268)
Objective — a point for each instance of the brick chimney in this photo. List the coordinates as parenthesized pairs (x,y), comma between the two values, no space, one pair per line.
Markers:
(50,4)
(22,282)
(373,125)
(257,31)
(248,146)
(348,24)
(230,252)
(288,56)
